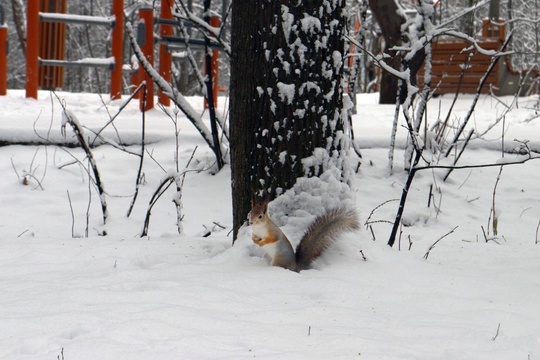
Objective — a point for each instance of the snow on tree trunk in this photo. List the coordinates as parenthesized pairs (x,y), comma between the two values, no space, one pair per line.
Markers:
(287,116)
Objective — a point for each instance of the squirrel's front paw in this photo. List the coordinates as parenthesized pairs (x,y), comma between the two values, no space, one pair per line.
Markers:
(255,239)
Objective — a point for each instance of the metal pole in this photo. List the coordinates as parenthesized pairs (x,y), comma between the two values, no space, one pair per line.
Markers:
(117,49)
(3,52)
(32,48)
(147,17)
(165,57)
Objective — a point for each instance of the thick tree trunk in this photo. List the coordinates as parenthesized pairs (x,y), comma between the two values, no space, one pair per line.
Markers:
(385,12)
(390,22)
(286,93)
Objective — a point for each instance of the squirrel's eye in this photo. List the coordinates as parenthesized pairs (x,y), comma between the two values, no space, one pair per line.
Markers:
(260,217)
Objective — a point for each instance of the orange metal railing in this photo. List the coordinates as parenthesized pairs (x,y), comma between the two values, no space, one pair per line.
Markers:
(45,40)
(52,45)
(3,52)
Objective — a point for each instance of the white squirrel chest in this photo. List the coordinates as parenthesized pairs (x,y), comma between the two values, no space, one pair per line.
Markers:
(259,230)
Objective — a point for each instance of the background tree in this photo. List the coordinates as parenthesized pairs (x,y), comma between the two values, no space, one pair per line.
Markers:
(286,95)
(389,19)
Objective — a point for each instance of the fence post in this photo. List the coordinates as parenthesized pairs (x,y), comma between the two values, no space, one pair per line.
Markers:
(135,77)
(3,52)
(117,49)
(165,57)
(52,45)
(215,22)
(146,15)
(32,48)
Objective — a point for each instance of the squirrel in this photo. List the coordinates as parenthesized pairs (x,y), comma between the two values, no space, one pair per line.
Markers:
(322,232)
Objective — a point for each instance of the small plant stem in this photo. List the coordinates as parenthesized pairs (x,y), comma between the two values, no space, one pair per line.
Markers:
(139,171)
(72,215)
(403,199)
(426,255)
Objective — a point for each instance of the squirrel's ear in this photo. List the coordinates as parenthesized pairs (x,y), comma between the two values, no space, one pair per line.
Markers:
(257,199)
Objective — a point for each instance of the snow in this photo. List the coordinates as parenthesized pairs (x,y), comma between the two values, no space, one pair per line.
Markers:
(287,22)
(286,92)
(310,24)
(170,296)
(73,18)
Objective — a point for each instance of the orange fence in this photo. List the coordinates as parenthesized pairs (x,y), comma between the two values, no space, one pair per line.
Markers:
(165,56)
(45,45)
(453,69)
(146,16)
(457,66)
(3,52)
(52,45)
(117,49)
(167,42)
(45,48)
(215,22)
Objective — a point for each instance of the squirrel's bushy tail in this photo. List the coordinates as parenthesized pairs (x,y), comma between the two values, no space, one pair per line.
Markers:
(323,232)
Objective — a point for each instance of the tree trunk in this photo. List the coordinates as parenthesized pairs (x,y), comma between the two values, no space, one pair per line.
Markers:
(386,15)
(19,17)
(390,22)
(286,94)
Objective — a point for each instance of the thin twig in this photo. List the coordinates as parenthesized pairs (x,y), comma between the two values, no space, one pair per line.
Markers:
(72,215)
(164,185)
(469,136)
(403,199)
(493,209)
(218,225)
(488,239)
(139,171)
(497,333)
(151,156)
(375,209)
(35,178)
(86,229)
(177,98)
(373,233)
(430,195)
(537,227)
(178,198)
(439,239)
(15,169)
(363,256)
(476,166)
(484,232)
(24,232)
(120,109)
(70,118)
(483,80)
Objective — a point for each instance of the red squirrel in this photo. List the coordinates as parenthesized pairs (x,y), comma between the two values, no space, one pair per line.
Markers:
(322,232)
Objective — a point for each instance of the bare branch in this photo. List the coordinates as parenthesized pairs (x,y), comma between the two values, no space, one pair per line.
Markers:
(70,118)
(426,255)
(139,171)
(72,215)
(173,93)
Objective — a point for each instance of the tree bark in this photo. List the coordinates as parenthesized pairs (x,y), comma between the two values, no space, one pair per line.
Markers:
(19,18)
(386,15)
(285,94)
(390,22)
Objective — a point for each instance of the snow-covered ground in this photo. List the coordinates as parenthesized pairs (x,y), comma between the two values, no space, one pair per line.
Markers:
(170,296)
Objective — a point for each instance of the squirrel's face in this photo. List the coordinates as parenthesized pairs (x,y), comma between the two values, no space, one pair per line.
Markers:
(256,215)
